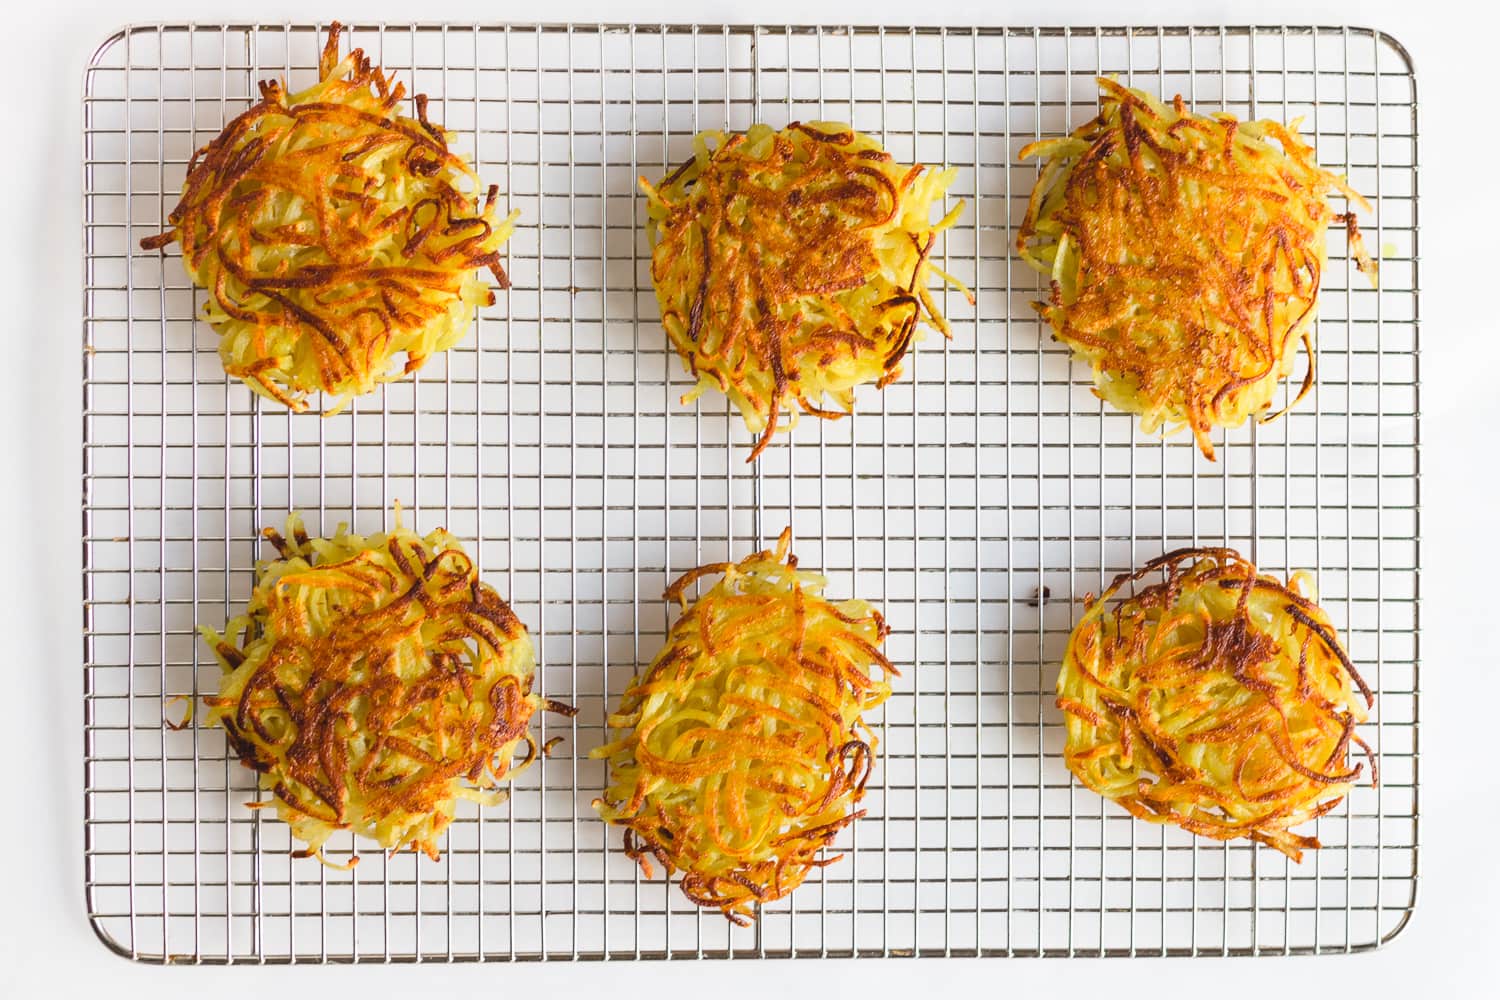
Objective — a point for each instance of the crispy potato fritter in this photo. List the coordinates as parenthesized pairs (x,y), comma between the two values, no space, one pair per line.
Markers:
(744,750)
(793,265)
(333,233)
(1184,254)
(1213,698)
(372,683)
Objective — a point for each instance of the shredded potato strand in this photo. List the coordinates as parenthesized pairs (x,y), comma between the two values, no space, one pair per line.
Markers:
(744,751)
(373,682)
(333,234)
(1184,255)
(793,265)
(1215,698)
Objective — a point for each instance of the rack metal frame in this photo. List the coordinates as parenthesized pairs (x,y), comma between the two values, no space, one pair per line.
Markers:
(975,500)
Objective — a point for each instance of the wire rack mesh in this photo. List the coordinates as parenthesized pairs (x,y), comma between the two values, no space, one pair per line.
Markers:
(976,501)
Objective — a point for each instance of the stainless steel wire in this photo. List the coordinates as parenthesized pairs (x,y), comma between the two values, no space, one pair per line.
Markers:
(976,501)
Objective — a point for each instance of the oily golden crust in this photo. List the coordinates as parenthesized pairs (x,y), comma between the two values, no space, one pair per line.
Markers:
(743,750)
(333,234)
(371,683)
(1214,698)
(1185,254)
(792,265)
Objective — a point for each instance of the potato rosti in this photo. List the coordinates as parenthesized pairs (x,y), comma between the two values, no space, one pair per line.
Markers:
(333,233)
(1216,698)
(1184,254)
(745,751)
(372,683)
(793,265)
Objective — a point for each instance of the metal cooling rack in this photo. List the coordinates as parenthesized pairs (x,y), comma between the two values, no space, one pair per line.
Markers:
(975,501)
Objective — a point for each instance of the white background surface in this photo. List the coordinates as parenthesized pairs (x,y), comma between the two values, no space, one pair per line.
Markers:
(46,947)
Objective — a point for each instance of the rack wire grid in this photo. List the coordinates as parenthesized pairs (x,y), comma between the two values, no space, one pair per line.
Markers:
(976,501)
